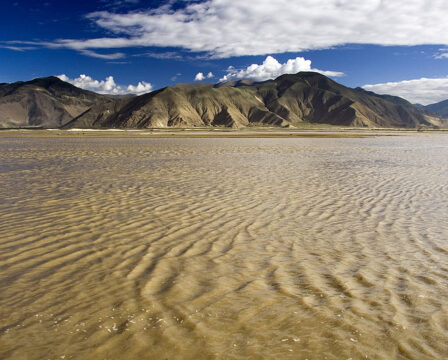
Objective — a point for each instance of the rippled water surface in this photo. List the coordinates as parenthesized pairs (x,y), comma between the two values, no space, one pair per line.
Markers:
(224,248)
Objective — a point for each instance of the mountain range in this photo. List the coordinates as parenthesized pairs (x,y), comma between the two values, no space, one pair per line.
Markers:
(288,101)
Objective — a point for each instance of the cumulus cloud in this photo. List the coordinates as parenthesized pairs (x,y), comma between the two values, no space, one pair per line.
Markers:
(271,68)
(141,88)
(225,28)
(422,91)
(107,86)
(201,77)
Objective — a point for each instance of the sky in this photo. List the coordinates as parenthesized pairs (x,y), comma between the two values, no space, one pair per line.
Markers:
(399,47)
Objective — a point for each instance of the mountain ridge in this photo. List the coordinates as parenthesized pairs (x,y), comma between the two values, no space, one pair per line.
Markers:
(287,101)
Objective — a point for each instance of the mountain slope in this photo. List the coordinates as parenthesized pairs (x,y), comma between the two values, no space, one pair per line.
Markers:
(440,108)
(289,100)
(46,102)
(314,98)
(184,107)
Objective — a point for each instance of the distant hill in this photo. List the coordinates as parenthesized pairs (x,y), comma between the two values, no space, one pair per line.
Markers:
(440,108)
(289,100)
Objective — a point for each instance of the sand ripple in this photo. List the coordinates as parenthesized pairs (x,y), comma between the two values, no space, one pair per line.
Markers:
(224,248)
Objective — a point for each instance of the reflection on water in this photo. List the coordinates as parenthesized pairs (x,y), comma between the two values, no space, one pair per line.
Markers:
(224,248)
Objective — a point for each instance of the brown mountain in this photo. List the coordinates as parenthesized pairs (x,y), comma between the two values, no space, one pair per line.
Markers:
(288,100)
(47,102)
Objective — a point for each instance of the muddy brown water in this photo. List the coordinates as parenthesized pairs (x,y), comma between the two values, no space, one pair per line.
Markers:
(224,248)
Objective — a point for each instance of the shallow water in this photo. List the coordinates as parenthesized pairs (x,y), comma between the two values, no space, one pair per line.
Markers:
(224,248)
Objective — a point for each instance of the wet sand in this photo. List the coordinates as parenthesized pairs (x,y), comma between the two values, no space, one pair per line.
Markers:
(117,247)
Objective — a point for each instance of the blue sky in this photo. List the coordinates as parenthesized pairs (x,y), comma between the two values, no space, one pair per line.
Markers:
(395,46)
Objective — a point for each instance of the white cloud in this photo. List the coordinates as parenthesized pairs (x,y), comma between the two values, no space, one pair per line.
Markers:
(94,54)
(271,68)
(201,77)
(107,86)
(168,55)
(17,48)
(441,55)
(422,91)
(225,28)
(141,88)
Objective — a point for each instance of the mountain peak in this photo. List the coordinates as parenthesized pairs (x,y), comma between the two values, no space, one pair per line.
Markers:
(52,83)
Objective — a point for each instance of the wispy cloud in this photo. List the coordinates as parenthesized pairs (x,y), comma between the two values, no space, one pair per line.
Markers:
(225,28)
(271,68)
(119,4)
(17,48)
(107,86)
(33,45)
(441,54)
(175,77)
(171,55)
(94,54)
(422,91)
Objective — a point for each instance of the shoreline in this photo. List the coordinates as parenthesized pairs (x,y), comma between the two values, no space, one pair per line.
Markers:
(264,132)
